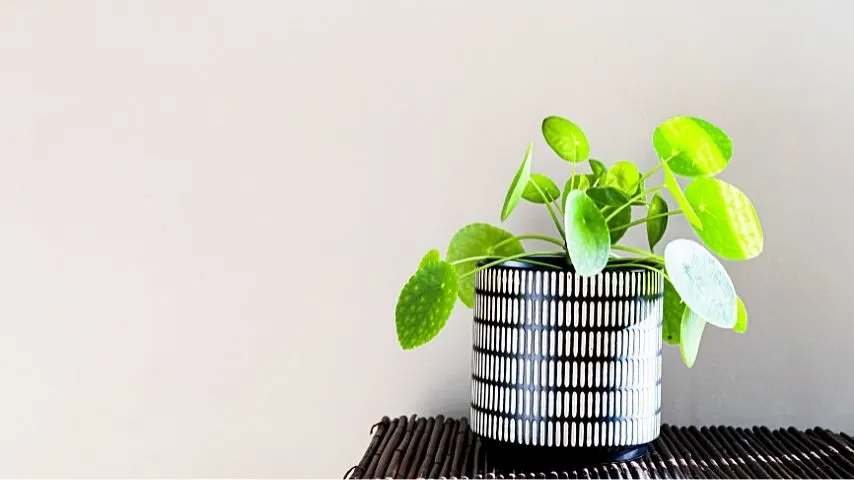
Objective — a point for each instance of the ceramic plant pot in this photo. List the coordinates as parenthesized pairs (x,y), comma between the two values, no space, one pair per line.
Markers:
(566,369)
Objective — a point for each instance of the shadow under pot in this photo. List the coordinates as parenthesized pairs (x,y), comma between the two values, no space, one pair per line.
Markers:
(566,370)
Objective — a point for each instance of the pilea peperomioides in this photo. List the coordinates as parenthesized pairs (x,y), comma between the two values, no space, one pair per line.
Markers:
(592,213)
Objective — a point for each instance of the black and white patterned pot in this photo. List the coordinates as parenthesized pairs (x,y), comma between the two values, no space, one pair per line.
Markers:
(567,365)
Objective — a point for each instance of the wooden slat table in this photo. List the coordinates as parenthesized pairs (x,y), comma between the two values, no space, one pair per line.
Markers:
(439,447)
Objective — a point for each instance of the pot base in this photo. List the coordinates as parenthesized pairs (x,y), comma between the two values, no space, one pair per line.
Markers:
(505,457)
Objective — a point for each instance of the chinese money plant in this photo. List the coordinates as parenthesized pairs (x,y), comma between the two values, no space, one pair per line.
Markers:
(591,213)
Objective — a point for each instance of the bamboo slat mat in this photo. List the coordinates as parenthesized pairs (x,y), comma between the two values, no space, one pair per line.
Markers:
(439,447)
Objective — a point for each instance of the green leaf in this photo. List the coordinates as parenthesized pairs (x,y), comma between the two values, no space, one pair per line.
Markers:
(430,257)
(599,169)
(624,176)
(692,147)
(425,303)
(578,182)
(587,236)
(609,196)
(546,184)
(675,190)
(730,225)
(673,307)
(741,322)
(517,187)
(655,228)
(621,219)
(476,240)
(566,139)
(701,281)
(691,331)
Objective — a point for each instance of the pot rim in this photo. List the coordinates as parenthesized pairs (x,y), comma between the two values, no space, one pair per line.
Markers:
(560,261)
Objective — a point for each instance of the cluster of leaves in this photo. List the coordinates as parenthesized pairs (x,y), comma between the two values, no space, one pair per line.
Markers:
(592,213)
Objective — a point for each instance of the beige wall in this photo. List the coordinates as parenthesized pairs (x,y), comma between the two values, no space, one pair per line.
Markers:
(207,210)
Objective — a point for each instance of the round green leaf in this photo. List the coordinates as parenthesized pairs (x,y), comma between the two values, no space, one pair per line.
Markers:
(741,321)
(430,257)
(617,225)
(608,196)
(675,190)
(578,182)
(691,332)
(599,169)
(673,307)
(692,147)
(655,227)
(730,225)
(545,184)
(517,187)
(624,176)
(566,139)
(477,240)
(701,281)
(587,236)
(425,304)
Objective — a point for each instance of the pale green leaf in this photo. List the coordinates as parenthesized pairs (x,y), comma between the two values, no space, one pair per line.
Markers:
(599,169)
(675,190)
(656,226)
(566,139)
(430,257)
(517,187)
(476,240)
(741,321)
(546,185)
(587,236)
(673,307)
(701,281)
(692,147)
(624,176)
(691,332)
(425,303)
(730,225)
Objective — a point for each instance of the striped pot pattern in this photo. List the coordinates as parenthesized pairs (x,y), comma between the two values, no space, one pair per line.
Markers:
(561,360)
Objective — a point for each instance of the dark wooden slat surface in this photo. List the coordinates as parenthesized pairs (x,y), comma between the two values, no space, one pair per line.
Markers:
(439,447)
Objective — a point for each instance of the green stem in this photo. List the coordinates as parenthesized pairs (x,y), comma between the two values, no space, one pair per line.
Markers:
(649,173)
(647,267)
(572,175)
(638,251)
(505,259)
(549,208)
(558,207)
(632,200)
(646,219)
(530,236)
(472,259)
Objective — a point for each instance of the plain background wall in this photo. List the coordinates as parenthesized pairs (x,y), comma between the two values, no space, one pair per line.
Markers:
(207,210)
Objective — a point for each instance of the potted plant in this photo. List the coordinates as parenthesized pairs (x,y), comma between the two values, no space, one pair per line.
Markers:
(567,342)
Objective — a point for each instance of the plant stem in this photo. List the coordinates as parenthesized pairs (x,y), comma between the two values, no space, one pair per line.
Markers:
(558,207)
(531,236)
(572,175)
(638,251)
(654,217)
(649,173)
(631,200)
(549,207)
(471,259)
(502,260)
(647,267)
